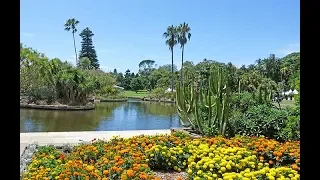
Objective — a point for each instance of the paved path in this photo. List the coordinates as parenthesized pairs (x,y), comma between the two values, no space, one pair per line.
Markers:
(59,138)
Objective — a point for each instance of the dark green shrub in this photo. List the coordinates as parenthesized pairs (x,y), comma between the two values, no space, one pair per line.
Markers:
(170,95)
(43,93)
(241,102)
(158,93)
(259,120)
(291,131)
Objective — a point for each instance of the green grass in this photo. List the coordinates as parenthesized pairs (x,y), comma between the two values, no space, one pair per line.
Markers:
(138,94)
(286,103)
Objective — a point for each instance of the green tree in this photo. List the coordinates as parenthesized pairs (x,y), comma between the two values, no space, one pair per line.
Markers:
(127,80)
(145,70)
(171,36)
(85,63)
(146,67)
(115,72)
(71,25)
(87,48)
(183,36)
(136,84)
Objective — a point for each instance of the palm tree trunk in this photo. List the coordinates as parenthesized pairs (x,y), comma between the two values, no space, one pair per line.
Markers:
(172,82)
(181,76)
(75,50)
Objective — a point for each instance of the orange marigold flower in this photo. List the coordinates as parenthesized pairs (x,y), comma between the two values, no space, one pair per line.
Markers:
(130,173)
(270,162)
(105,172)
(295,167)
(143,175)
(123,177)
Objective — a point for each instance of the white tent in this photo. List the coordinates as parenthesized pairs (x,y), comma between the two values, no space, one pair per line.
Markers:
(169,90)
(115,86)
(295,92)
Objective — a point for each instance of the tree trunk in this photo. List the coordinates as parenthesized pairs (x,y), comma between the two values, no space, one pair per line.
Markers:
(75,49)
(181,76)
(172,82)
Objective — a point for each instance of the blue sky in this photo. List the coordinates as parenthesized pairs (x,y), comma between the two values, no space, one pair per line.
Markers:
(128,31)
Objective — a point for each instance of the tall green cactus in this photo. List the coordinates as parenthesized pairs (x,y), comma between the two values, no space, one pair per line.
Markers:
(208,108)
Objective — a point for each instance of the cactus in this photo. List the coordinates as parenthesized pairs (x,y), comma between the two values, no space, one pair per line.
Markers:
(214,100)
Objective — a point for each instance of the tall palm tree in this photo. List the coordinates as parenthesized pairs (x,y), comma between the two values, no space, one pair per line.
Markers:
(183,37)
(71,25)
(171,36)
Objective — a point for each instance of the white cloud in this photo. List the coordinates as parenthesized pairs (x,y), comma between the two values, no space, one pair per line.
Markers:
(27,34)
(290,48)
(105,68)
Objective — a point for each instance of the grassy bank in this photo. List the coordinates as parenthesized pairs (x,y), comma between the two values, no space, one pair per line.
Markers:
(139,94)
(285,103)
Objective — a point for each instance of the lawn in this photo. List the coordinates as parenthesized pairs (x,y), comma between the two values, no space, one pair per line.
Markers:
(286,103)
(201,158)
(138,94)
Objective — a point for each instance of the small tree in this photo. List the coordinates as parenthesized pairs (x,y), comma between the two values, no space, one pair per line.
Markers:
(85,63)
(136,84)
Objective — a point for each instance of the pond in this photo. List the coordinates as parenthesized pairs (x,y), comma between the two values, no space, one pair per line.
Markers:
(108,116)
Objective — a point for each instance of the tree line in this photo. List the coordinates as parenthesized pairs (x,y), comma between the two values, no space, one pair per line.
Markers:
(276,74)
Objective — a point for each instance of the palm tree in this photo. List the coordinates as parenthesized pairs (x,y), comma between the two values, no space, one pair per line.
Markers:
(71,25)
(171,35)
(85,63)
(183,37)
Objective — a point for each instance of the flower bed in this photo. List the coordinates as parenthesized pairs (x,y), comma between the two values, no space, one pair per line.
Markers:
(202,158)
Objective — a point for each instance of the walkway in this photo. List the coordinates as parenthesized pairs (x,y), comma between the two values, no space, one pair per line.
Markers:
(59,138)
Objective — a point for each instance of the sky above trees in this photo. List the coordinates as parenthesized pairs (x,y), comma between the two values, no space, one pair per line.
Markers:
(127,32)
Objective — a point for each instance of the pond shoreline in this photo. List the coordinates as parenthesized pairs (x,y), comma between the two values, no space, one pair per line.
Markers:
(58,107)
(158,100)
(111,100)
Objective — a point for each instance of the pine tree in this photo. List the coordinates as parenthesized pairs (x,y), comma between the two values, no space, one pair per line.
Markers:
(87,48)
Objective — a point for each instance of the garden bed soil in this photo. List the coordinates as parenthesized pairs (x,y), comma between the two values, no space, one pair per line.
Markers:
(189,131)
(89,106)
(171,175)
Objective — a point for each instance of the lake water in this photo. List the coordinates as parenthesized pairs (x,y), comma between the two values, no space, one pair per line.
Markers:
(108,116)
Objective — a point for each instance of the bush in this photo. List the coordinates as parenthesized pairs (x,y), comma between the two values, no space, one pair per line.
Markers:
(170,95)
(158,92)
(260,120)
(291,131)
(243,101)
(43,93)
(107,96)
(109,91)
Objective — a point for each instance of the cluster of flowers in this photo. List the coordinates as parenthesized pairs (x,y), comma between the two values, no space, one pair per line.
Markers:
(136,157)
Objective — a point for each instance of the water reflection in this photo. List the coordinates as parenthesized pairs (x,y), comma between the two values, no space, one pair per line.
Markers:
(131,115)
